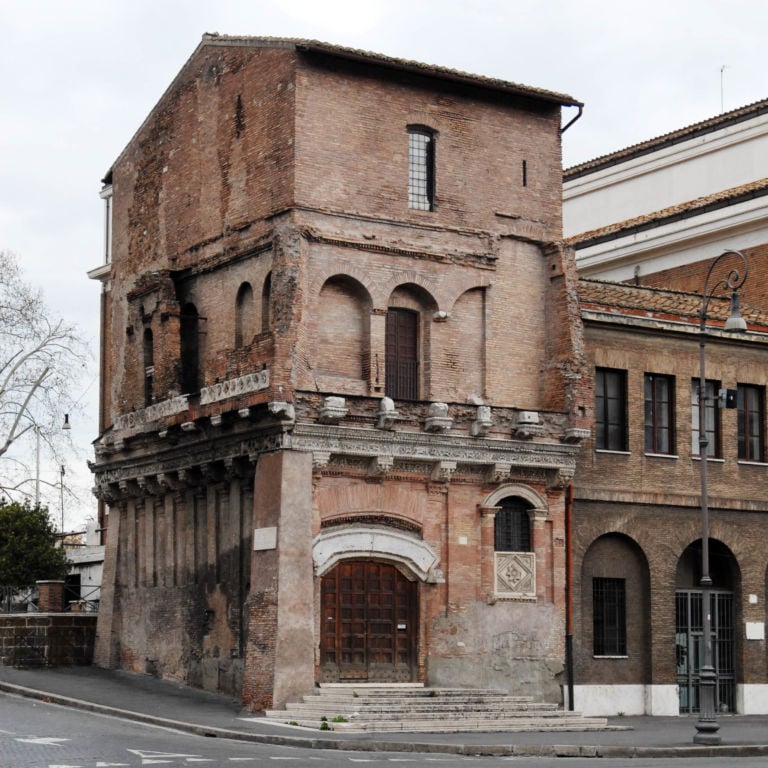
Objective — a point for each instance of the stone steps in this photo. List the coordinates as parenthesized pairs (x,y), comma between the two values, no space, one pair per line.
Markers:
(414,708)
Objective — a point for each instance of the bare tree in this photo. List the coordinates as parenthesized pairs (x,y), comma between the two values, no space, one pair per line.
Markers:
(41,361)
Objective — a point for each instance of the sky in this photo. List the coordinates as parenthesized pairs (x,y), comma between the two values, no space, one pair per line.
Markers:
(81,76)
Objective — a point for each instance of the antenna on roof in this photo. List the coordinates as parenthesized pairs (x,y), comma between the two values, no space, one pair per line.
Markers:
(722,77)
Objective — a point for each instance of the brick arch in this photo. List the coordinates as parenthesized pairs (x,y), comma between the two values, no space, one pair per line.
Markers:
(724,567)
(342,269)
(404,279)
(616,555)
(341,328)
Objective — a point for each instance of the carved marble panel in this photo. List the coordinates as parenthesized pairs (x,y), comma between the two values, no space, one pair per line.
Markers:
(515,575)
(252,382)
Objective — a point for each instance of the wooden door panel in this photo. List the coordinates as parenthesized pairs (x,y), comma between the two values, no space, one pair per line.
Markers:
(368,623)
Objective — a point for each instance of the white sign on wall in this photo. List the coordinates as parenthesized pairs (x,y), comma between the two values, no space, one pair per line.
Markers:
(264,538)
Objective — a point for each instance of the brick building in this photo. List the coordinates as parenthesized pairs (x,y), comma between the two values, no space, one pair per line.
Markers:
(657,214)
(343,382)
(637,516)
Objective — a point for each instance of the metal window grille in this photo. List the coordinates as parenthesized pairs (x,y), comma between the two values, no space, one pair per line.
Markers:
(402,354)
(512,527)
(609,617)
(689,639)
(421,170)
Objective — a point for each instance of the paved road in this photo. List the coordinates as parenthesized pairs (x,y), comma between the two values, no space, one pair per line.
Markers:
(39,735)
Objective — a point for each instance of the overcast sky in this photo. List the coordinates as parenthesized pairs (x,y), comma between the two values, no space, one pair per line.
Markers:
(81,75)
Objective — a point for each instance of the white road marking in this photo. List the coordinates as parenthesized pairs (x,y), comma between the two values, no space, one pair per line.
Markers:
(112,765)
(48,741)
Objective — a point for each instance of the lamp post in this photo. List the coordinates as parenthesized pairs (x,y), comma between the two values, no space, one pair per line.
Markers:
(707,726)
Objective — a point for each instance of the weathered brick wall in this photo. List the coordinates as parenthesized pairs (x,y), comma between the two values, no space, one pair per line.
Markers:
(47,639)
(690,277)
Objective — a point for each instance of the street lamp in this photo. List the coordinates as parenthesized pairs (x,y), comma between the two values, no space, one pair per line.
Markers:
(707,726)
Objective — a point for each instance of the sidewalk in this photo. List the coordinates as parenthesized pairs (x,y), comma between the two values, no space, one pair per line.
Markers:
(146,699)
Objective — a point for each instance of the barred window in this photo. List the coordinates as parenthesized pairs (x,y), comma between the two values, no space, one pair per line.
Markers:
(609,617)
(421,169)
(512,527)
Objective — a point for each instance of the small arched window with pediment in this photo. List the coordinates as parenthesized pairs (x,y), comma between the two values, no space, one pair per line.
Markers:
(512,526)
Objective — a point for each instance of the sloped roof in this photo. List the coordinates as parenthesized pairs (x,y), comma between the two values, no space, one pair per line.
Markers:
(660,304)
(390,62)
(678,136)
(675,212)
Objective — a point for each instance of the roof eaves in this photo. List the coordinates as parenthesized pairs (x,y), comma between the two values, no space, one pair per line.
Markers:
(678,136)
(680,212)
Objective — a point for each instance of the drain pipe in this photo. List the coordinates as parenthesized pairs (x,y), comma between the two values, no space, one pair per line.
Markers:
(569,594)
(573,119)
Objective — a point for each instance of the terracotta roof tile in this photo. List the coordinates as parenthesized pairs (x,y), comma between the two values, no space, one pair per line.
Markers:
(673,137)
(681,210)
(662,304)
(431,70)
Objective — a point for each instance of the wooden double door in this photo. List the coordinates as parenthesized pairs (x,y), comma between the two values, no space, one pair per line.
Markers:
(368,624)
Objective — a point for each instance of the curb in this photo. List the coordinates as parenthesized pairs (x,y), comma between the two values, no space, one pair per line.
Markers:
(474,750)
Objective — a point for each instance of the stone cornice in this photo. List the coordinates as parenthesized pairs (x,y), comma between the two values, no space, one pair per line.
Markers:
(441,457)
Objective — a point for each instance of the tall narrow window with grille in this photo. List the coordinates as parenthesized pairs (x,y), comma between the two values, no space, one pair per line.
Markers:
(402,354)
(421,169)
(609,617)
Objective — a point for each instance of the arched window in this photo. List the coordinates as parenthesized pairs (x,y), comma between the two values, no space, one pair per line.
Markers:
(149,367)
(266,304)
(190,349)
(512,526)
(244,319)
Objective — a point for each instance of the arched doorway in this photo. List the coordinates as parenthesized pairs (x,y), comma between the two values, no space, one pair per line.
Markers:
(689,625)
(368,624)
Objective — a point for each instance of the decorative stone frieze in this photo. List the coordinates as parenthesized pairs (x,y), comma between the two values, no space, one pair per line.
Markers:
(442,471)
(154,412)
(380,465)
(252,382)
(320,460)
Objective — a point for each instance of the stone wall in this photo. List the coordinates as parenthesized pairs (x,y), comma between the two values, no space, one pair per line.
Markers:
(47,639)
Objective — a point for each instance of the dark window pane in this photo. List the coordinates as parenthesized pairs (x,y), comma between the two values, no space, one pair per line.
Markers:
(512,526)
(610,410)
(609,617)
